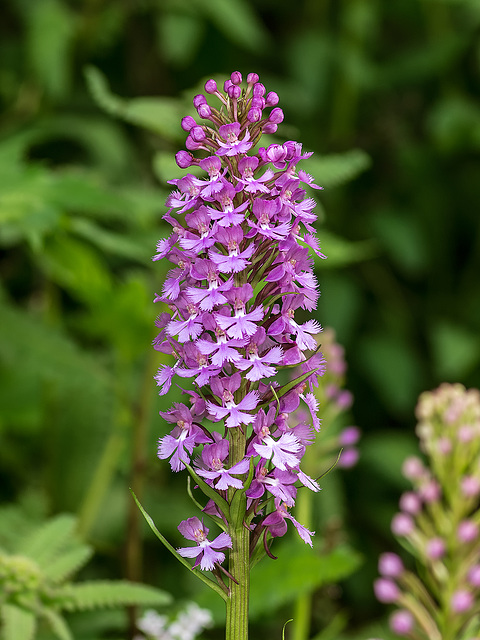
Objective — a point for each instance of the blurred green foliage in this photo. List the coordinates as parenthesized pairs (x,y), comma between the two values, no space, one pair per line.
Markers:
(92,91)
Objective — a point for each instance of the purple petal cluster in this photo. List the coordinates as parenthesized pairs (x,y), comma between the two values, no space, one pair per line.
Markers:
(237,295)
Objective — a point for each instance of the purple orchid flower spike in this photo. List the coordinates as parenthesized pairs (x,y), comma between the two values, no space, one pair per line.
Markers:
(234,305)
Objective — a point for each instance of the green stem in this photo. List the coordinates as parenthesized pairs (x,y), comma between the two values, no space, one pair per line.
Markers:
(239,557)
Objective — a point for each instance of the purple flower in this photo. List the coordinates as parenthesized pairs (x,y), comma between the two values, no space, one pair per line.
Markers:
(207,553)
(276,525)
(232,145)
(212,466)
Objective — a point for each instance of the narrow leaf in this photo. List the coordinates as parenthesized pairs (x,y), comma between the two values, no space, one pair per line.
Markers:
(57,624)
(221,503)
(17,624)
(174,552)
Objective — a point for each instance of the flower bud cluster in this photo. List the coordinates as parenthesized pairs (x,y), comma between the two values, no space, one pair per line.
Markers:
(241,277)
(439,523)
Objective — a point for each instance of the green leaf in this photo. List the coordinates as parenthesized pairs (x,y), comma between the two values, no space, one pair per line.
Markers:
(456,350)
(341,252)
(18,624)
(45,543)
(161,115)
(109,593)
(51,28)
(110,242)
(213,585)
(297,571)
(337,169)
(179,36)
(238,22)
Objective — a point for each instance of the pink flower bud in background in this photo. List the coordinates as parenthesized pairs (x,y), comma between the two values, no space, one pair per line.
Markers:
(401,622)
(461,601)
(435,548)
(413,468)
(210,86)
(390,565)
(474,576)
(344,400)
(430,491)
(349,436)
(470,486)
(410,502)
(467,531)
(402,524)
(348,458)
(386,590)
(444,446)
(465,433)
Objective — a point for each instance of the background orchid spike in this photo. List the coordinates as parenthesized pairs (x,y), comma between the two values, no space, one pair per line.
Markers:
(439,524)
(241,274)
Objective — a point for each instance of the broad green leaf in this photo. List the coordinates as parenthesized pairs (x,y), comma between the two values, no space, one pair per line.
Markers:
(50,33)
(337,168)
(179,37)
(110,242)
(238,21)
(456,350)
(297,571)
(161,115)
(341,252)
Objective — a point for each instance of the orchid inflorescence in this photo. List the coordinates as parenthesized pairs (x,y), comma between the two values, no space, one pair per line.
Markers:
(242,277)
(439,524)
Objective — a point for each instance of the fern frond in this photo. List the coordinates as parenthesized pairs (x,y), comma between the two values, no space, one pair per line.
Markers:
(17,623)
(13,525)
(89,595)
(43,544)
(68,562)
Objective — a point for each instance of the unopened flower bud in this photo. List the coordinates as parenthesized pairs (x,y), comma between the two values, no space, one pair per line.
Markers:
(467,531)
(348,458)
(435,548)
(401,622)
(252,78)
(410,502)
(270,127)
(188,122)
(349,436)
(276,115)
(413,468)
(226,85)
(183,159)
(198,133)
(470,486)
(461,601)
(192,144)
(386,590)
(474,576)
(402,524)
(210,86)
(258,90)
(236,77)
(198,100)
(204,111)
(430,491)
(390,565)
(344,399)
(254,114)
(234,92)
(272,99)
(258,102)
